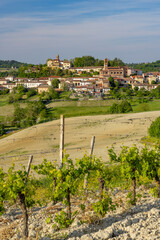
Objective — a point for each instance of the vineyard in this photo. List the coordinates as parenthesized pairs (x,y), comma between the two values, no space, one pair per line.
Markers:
(54,196)
(76,183)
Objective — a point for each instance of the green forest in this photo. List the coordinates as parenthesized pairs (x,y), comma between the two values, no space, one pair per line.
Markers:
(11,63)
(147,67)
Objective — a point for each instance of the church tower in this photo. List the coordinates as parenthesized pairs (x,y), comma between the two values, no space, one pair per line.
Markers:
(105,64)
(58,57)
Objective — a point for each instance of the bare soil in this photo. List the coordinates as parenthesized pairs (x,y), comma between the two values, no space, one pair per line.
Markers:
(42,141)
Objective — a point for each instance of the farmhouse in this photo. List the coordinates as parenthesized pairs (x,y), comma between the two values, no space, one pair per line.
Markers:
(43,88)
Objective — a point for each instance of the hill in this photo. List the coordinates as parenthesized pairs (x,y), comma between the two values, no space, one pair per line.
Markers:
(147,67)
(11,63)
(42,141)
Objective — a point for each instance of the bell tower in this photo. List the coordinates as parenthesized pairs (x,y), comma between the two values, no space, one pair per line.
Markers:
(105,64)
(58,57)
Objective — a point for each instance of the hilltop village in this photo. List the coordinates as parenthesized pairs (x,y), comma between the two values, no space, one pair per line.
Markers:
(96,85)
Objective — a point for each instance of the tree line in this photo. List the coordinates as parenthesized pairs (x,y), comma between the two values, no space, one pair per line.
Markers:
(147,67)
(11,63)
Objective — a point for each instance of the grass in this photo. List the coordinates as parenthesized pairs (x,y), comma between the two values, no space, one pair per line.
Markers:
(3,100)
(153,105)
(150,141)
(84,103)
(2,118)
(75,111)
(78,108)
(64,95)
(91,108)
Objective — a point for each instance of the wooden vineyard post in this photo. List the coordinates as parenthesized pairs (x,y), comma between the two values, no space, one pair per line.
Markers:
(22,201)
(91,153)
(92,145)
(61,140)
(29,167)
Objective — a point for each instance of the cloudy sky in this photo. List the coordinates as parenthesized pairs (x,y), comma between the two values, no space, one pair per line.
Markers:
(33,30)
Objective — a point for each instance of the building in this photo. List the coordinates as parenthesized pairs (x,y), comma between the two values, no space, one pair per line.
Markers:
(113,71)
(3,81)
(57,63)
(43,88)
(144,86)
(139,78)
(132,71)
(80,70)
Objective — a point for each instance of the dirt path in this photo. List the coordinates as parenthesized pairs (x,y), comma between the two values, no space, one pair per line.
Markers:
(43,140)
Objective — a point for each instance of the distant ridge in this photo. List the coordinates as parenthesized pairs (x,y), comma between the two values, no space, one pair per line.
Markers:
(146,67)
(11,63)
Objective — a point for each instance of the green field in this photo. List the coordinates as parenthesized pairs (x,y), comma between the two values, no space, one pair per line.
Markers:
(78,108)
(150,106)
(3,100)
(84,108)
(78,111)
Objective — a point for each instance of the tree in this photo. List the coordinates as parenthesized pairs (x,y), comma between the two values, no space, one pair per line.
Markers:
(114,108)
(116,62)
(24,117)
(31,93)
(21,89)
(4,91)
(125,107)
(55,83)
(64,86)
(52,93)
(154,129)
(156,91)
(84,61)
(111,82)
(136,89)
(18,115)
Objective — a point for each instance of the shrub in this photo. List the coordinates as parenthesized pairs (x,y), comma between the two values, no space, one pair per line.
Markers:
(2,129)
(114,108)
(123,107)
(154,129)
(31,93)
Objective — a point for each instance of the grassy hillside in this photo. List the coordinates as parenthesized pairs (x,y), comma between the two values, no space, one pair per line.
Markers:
(78,108)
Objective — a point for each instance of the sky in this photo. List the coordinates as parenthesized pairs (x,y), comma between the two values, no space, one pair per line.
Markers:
(32,31)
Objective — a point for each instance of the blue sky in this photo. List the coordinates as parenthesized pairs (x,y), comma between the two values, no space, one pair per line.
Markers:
(34,30)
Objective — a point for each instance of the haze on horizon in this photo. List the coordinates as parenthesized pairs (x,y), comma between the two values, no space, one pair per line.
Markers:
(32,31)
